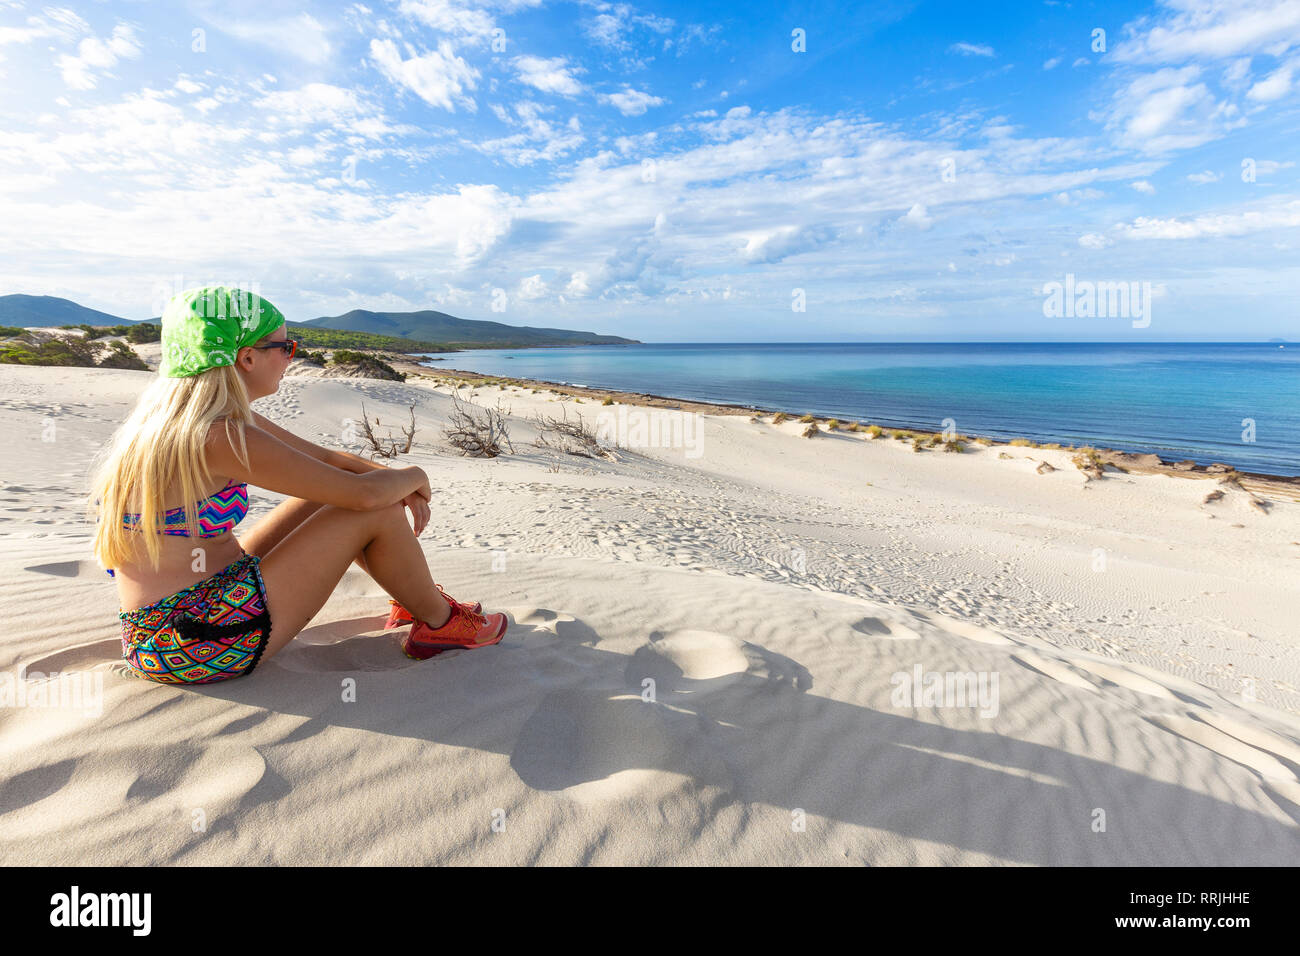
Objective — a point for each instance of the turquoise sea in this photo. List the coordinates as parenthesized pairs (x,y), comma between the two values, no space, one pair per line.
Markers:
(1232,402)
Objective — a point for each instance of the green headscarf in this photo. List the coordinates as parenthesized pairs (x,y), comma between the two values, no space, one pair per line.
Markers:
(203,328)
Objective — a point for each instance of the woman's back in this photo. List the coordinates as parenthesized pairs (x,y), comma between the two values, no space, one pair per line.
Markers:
(184,560)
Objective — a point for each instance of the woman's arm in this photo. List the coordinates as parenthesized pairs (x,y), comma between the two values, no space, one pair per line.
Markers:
(278,466)
(339,459)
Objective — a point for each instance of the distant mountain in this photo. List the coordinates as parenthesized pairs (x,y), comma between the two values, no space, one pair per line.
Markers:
(433,326)
(25,311)
(428,326)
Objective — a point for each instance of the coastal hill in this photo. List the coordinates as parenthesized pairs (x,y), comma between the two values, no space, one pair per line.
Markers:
(441,327)
(28,311)
(433,328)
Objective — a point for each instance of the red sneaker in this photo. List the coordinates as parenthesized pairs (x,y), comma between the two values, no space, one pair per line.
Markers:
(465,628)
(399,616)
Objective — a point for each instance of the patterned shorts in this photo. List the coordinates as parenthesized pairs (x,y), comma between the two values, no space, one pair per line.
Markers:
(213,630)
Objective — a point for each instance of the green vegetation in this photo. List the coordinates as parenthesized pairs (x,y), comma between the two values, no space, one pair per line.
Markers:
(314,358)
(609,400)
(832,424)
(35,348)
(875,431)
(779,417)
(805,418)
(121,355)
(317,338)
(137,333)
(373,367)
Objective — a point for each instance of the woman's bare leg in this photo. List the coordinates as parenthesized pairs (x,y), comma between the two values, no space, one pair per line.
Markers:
(302,570)
(282,520)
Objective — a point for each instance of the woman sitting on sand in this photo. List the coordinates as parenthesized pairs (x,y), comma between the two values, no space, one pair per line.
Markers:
(193,432)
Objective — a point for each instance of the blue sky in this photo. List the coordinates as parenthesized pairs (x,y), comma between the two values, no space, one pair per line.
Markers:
(665,171)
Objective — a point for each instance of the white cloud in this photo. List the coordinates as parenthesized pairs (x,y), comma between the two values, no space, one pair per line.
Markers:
(1202,178)
(918,216)
(1274,86)
(611,27)
(96,54)
(1052,64)
(531,287)
(302,37)
(971,49)
(1236,73)
(773,246)
(631,102)
(313,103)
(552,75)
(1094,240)
(58,23)
(1212,29)
(1168,109)
(449,18)
(538,140)
(579,284)
(1143,186)
(439,77)
(1282,216)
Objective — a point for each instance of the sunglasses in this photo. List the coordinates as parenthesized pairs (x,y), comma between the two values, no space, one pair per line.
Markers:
(288,346)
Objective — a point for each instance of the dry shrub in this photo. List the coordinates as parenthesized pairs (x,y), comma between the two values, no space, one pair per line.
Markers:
(478,431)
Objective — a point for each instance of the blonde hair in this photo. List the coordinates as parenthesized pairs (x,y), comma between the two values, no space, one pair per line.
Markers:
(161,444)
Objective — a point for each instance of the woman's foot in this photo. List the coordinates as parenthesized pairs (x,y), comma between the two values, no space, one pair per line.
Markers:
(463,629)
(399,616)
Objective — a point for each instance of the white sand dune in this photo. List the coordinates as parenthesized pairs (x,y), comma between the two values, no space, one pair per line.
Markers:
(704,665)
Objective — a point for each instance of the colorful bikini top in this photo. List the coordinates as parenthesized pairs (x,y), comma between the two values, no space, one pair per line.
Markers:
(218,513)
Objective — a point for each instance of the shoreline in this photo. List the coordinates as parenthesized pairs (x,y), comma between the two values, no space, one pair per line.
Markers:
(1279,487)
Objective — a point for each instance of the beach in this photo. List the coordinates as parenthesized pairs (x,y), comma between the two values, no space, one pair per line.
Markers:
(738,645)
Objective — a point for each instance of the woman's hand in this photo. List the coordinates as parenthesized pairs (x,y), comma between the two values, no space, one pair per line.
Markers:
(424,491)
(419,508)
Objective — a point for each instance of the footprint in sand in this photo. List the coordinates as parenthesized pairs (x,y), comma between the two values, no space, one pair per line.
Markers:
(154,782)
(539,626)
(875,627)
(695,661)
